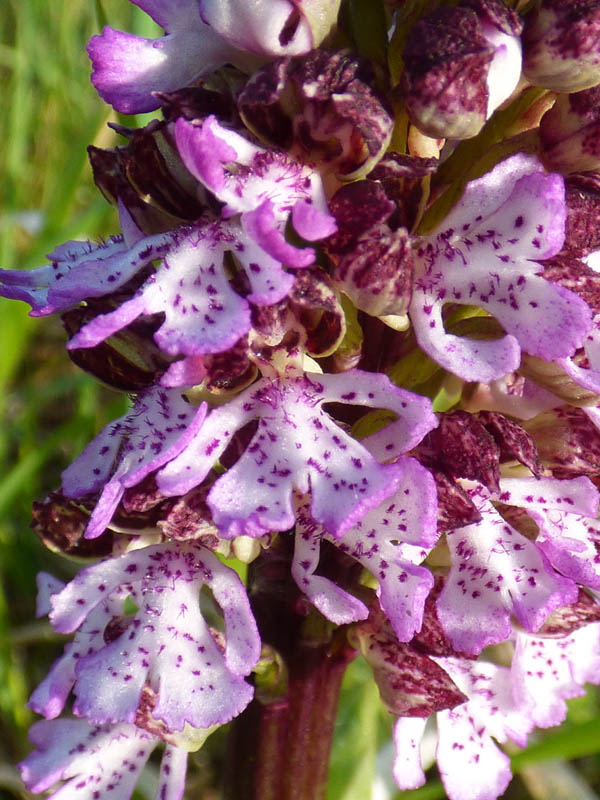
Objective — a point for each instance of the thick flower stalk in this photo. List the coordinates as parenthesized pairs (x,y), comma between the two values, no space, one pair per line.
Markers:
(364,361)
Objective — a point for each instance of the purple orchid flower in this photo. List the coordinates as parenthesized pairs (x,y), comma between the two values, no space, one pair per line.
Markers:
(298,446)
(503,703)
(157,428)
(128,70)
(498,572)
(165,647)
(486,253)
(264,186)
(390,541)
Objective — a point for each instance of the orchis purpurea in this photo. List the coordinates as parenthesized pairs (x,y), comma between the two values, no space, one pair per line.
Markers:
(363,362)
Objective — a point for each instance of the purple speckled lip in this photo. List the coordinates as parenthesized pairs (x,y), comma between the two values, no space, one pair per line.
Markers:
(486,254)
(297,445)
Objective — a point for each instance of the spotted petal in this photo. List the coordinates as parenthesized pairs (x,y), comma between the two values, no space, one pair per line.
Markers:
(80,270)
(297,445)
(50,696)
(264,186)
(565,512)
(97,761)
(485,254)
(496,572)
(471,766)
(408,733)
(166,643)
(543,679)
(390,541)
(157,428)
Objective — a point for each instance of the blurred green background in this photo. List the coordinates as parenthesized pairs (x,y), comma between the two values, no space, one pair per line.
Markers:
(50,410)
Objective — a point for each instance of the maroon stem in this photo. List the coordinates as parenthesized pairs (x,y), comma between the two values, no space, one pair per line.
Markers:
(279,748)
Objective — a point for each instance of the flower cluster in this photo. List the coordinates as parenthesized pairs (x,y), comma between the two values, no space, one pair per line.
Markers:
(367,340)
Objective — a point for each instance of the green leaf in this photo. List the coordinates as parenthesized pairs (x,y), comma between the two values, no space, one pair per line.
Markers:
(368,27)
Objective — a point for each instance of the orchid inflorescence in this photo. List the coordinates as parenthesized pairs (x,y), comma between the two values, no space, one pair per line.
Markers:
(366,334)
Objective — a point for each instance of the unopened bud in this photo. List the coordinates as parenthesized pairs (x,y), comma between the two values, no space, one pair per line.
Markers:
(147,177)
(561,45)
(323,108)
(460,65)
(570,132)
(129,360)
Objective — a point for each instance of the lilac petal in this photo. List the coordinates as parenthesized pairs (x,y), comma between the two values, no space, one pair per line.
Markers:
(485,195)
(47,585)
(408,733)
(157,429)
(471,766)
(470,359)
(298,446)
(345,480)
(261,225)
(106,272)
(496,572)
(381,542)
(167,642)
(565,512)
(242,648)
(542,678)
(331,600)
(203,314)
(173,767)
(50,696)
(167,13)
(415,414)
(129,69)
(585,654)
(189,371)
(577,496)
(97,761)
(484,256)
(311,222)
(205,148)
(268,282)
(80,270)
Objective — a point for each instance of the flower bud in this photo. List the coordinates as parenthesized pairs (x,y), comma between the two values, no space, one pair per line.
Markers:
(128,361)
(561,45)
(323,108)
(460,65)
(61,522)
(373,263)
(570,132)
(147,176)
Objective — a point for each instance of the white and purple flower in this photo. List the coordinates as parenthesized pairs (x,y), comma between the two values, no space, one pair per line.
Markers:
(486,253)
(298,446)
(165,646)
